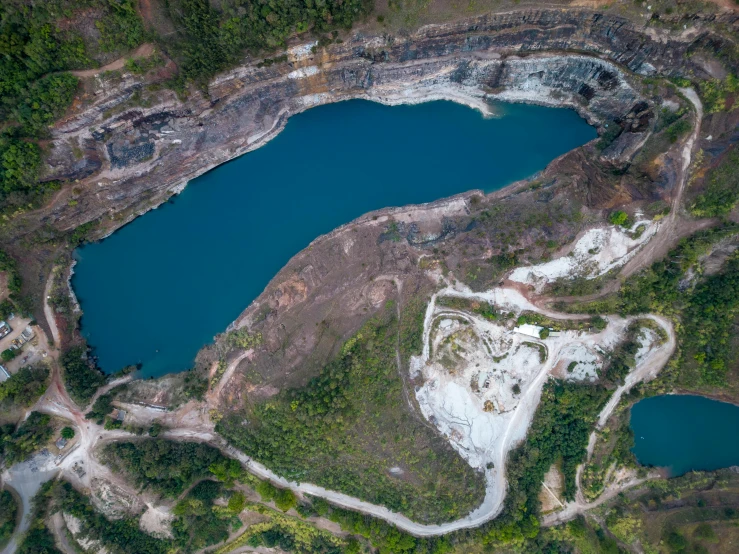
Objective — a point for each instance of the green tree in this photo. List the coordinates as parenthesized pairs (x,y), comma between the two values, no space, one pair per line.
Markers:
(704,531)
(619,218)
(67,433)
(237,502)
(80,378)
(285,499)
(31,435)
(25,386)
(44,101)
(8,513)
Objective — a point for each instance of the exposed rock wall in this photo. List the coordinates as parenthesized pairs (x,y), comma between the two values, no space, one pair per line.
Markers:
(135,159)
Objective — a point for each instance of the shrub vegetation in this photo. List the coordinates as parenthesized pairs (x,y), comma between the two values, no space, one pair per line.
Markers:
(8,513)
(722,189)
(19,444)
(24,387)
(350,423)
(81,379)
(165,466)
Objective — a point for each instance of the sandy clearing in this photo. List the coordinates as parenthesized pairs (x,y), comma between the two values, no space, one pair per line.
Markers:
(551,490)
(216,392)
(143,51)
(650,361)
(58,529)
(517,423)
(646,369)
(106,388)
(157,521)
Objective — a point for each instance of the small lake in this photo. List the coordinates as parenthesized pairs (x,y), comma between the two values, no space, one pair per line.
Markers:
(685,433)
(160,288)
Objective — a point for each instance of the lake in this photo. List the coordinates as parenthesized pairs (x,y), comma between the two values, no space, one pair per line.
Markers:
(160,288)
(684,433)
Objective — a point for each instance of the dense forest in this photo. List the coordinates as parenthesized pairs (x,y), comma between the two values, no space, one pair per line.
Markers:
(24,387)
(8,514)
(198,524)
(119,536)
(167,467)
(558,434)
(15,303)
(103,405)
(19,444)
(205,516)
(41,41)
(210,40)
(37,46)
(721,192)
(350,423)
(80,378)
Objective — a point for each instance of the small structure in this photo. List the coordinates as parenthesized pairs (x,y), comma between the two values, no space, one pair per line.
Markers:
(22,339)
(529,330)
(120,415)
(61,443)
(153,407)
(4,374)
(5,329)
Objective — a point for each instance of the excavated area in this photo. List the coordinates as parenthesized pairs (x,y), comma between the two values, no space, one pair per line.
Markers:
(134,158)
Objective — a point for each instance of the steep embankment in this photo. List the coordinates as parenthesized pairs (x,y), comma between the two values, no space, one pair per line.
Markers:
(133,157)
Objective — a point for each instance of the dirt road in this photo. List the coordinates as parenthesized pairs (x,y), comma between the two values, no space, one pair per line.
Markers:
(49,311)
(25,480)
(666,235)
(143,51)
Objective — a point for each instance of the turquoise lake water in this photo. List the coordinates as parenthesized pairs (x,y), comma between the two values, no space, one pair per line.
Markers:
(684,433)
(160,288)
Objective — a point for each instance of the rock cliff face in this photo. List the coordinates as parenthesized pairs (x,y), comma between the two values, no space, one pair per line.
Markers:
(127,158)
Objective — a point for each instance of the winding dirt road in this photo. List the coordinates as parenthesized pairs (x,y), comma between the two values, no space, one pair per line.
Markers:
(658,246)
(56,400)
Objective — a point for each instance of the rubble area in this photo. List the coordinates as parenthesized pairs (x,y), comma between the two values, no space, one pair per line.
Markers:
(596,253)
(483,377)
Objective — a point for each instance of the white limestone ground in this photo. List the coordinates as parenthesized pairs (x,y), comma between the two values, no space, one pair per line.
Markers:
(301,51)
(157,521)
(470,367)
(648,342)
(478,373)
(303,72)
(597,252)
(74,525)
(583,361)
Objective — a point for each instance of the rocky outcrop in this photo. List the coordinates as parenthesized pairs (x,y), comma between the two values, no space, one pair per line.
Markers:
(131,157)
